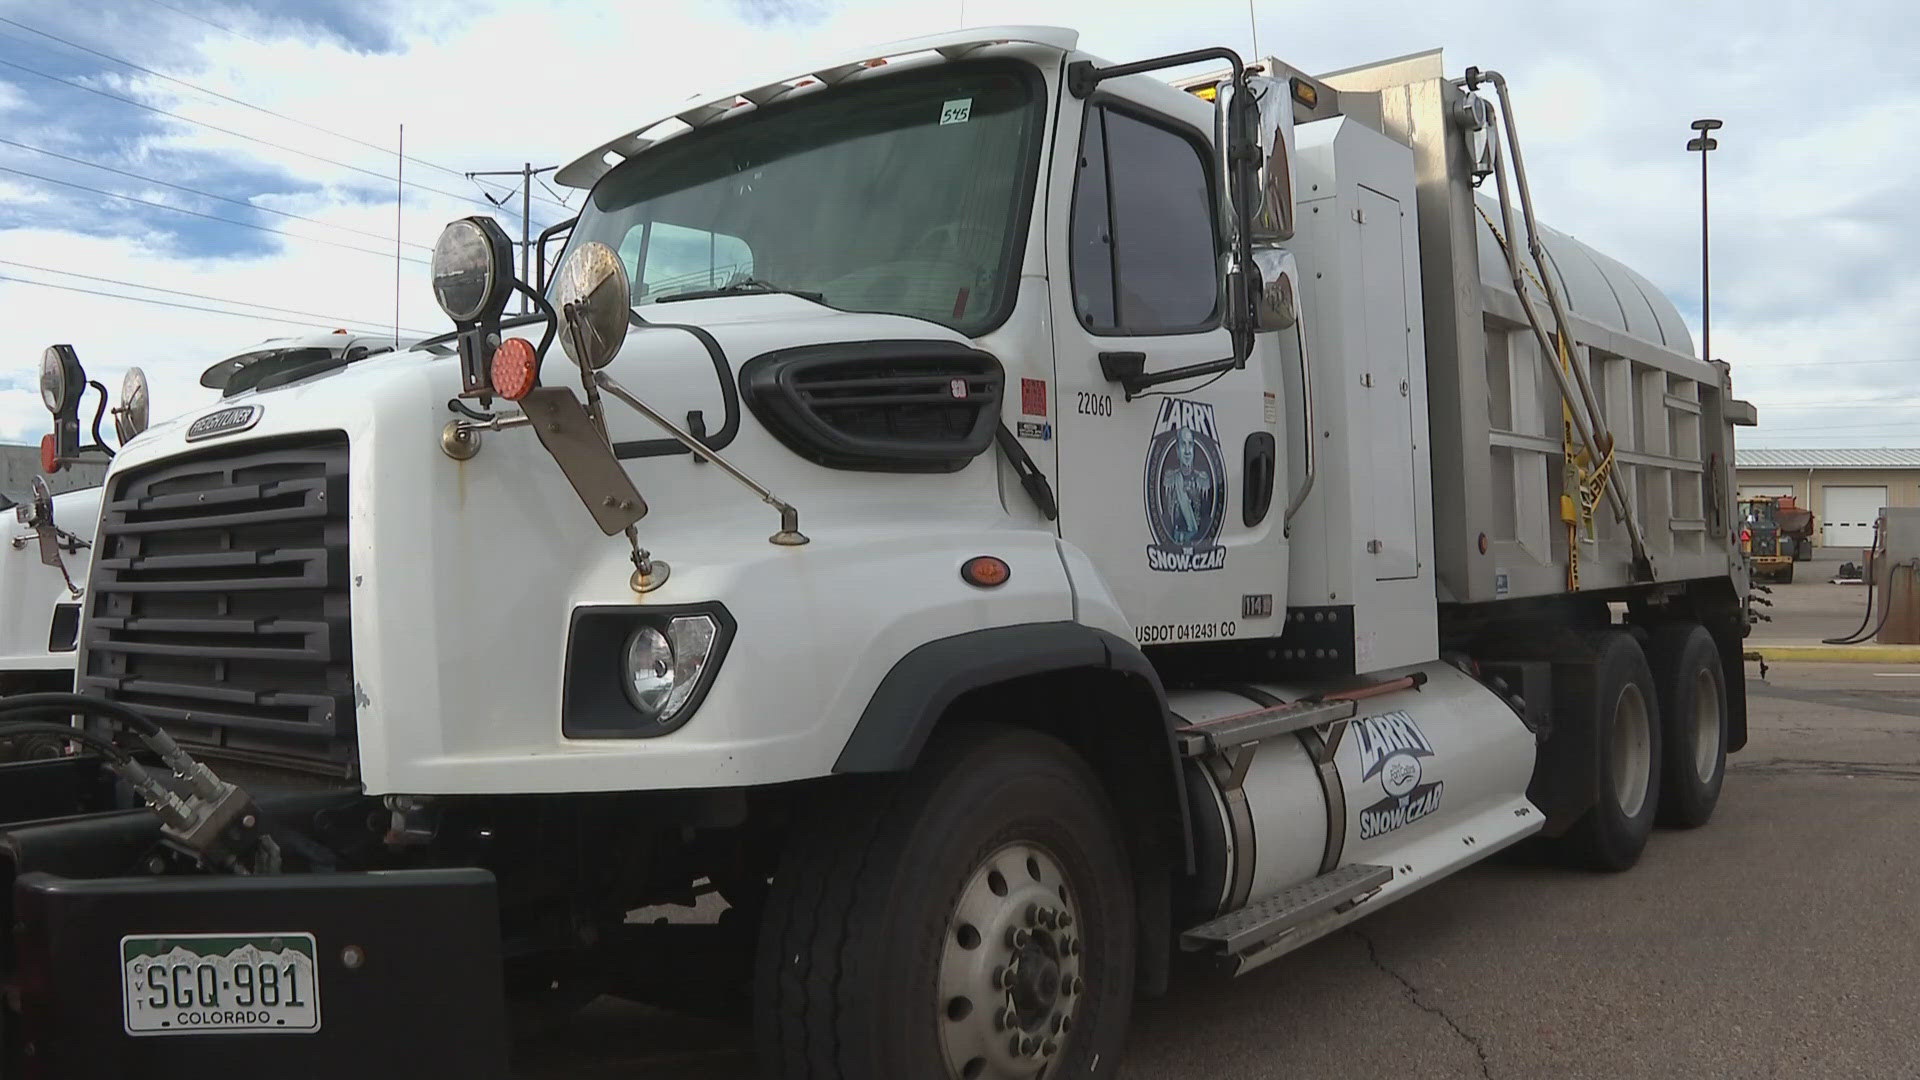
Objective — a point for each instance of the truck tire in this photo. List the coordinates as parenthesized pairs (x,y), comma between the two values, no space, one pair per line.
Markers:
(972,920)
(1625,718)
(1693,722)
(1786,574)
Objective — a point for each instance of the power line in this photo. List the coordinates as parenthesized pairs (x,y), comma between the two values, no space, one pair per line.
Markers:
(1759,366)
(239,135)
(357,323)
(178,292)
(198,214)
(196,191)
(223,97)
(209,22)
(1850,403)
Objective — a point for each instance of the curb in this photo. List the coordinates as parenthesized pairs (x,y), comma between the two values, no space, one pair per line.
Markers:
(1836,654)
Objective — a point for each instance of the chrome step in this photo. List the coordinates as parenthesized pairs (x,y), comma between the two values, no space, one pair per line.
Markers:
(1264,920)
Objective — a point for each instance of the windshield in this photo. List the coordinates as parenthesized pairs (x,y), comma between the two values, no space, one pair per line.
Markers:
(905,195)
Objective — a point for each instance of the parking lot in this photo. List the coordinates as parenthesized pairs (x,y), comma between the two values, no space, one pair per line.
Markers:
(1778,941)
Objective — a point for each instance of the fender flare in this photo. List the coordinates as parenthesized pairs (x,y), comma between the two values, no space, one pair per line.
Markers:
(925,683)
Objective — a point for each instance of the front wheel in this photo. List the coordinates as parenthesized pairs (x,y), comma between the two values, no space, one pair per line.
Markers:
(972,920)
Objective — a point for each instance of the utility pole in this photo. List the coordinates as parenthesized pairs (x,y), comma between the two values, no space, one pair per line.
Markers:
(1703,143)
(526,173)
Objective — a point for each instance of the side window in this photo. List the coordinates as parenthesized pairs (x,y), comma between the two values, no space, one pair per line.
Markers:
(663,258)
(1144,251)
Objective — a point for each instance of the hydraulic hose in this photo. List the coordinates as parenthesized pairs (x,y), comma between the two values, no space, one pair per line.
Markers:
(88,739)
(203,780)
(80,703)
(1886,608)
(1856,637)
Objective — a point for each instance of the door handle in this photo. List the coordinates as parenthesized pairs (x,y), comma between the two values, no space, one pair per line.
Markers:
(1259,474)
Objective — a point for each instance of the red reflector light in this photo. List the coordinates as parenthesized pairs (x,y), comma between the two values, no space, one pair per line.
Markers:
(49,453)
(985,571)
(515,368)
(1746,535)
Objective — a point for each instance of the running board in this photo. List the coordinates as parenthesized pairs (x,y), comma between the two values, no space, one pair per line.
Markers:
(1262,922)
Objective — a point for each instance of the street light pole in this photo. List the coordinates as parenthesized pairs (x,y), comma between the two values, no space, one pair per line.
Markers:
(1703,143)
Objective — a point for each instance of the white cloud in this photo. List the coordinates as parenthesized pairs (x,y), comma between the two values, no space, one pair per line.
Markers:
(1816,187)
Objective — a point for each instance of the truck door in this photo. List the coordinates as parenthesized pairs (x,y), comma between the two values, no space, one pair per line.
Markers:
(1171,494)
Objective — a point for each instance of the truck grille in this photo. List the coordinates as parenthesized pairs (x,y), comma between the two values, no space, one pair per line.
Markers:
(218,603)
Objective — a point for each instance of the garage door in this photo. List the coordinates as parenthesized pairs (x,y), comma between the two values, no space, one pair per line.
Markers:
(1848,515)
(1759,491)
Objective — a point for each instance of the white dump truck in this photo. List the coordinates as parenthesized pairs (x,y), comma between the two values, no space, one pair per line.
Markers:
(1004,523)
(49,536)
(45,542)
(48,541)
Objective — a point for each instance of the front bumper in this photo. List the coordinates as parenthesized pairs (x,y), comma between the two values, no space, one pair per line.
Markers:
(408,964)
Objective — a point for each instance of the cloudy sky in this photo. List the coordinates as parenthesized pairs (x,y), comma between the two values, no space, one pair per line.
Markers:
(241,155)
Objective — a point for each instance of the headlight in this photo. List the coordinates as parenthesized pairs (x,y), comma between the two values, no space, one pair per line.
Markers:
(664,665)
(650,671)
(60,378)
(471,275)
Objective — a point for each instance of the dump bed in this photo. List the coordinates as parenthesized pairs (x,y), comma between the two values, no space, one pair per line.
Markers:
(1496,443)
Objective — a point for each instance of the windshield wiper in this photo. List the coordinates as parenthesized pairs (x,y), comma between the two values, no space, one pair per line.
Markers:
(743,286)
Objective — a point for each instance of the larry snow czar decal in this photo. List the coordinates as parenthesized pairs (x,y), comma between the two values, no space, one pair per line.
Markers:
(1186,489)
(1391,746)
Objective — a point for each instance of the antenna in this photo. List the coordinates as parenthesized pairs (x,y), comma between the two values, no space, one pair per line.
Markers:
(399,198)
(1253,25)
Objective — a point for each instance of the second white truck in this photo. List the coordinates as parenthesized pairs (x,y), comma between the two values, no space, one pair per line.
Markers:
(1002,522)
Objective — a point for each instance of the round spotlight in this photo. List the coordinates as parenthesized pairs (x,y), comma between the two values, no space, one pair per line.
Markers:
(470,271)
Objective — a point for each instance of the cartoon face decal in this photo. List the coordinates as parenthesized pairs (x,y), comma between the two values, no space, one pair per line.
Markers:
(1186,489)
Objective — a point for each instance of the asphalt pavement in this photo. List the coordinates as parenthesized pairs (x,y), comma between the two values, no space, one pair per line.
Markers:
(1778,941)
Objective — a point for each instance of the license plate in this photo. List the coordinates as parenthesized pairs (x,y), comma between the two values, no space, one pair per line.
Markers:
(219,984)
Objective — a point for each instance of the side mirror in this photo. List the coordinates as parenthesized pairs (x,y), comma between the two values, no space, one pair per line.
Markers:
(1271,116)
(130,416)
(591,298)
(1276,303)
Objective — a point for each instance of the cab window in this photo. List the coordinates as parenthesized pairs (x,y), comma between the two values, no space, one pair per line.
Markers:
(663,258)
(1143,242)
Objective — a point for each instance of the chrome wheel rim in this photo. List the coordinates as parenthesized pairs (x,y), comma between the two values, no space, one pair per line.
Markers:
(1631,758)
(1706,720)
(1010,969)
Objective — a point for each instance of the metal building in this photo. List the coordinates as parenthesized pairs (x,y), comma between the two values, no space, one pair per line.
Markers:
(20,464)
(1845,489)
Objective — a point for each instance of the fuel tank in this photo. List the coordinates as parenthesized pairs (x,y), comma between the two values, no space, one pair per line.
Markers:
(1391,786)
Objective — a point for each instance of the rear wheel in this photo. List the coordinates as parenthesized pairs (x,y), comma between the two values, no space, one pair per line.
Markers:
(1693,712)
(972,920)
(1625,717)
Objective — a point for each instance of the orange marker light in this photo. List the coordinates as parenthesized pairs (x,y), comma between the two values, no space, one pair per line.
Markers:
(49,453)
(985,571)
(515,368)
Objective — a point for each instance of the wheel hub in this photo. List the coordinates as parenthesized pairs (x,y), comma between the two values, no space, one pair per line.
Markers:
(1010,974)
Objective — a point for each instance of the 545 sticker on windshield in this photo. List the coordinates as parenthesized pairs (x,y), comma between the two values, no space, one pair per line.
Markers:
(1186,489)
